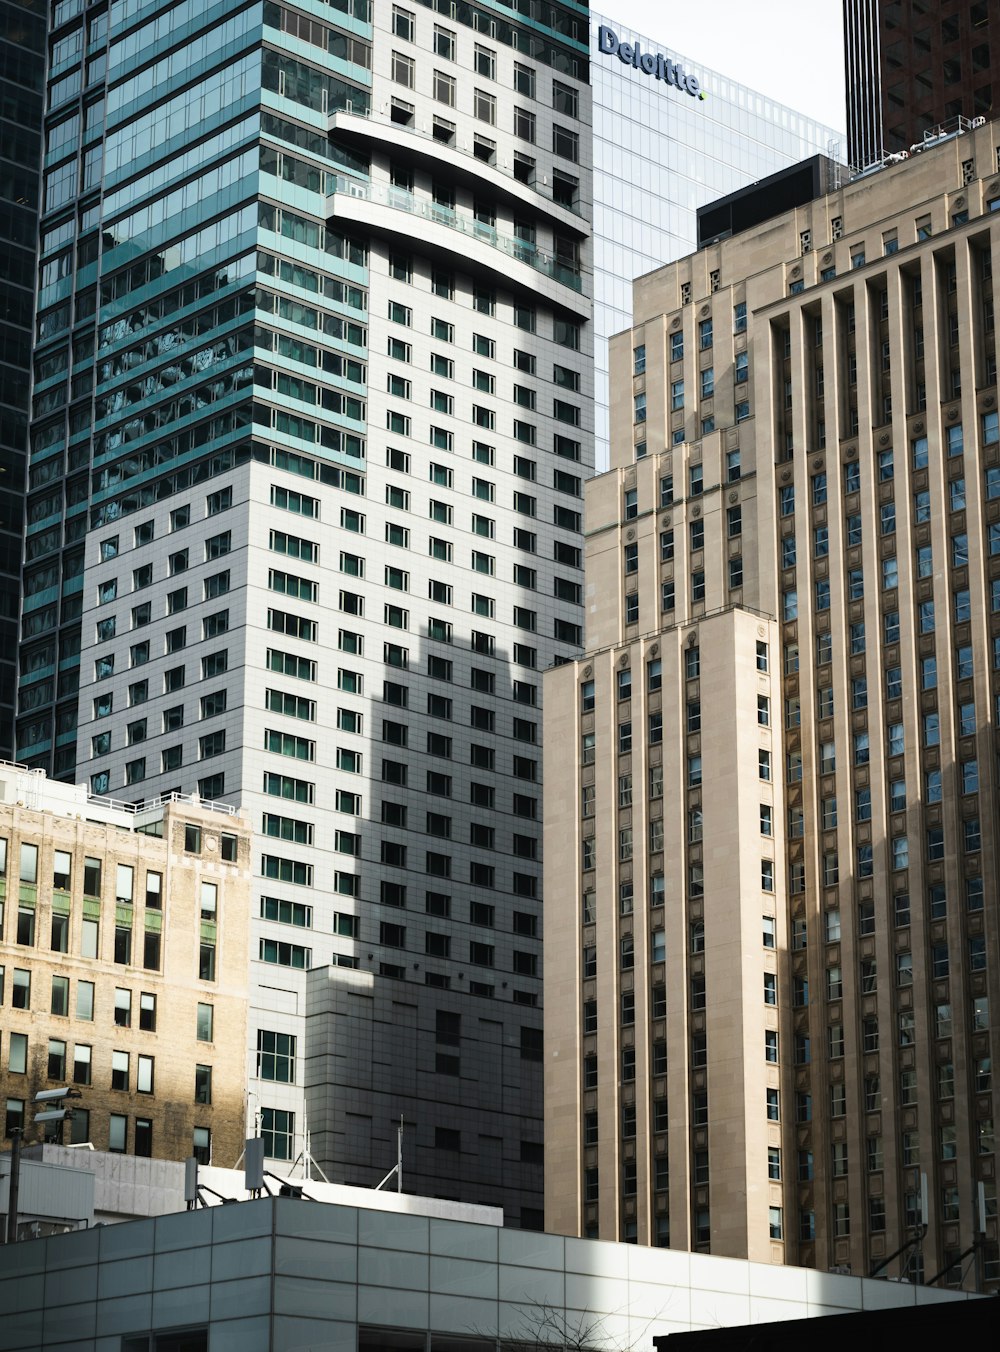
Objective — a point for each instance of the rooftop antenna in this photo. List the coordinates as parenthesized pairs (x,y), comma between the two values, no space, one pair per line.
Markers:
(397,1168)
(15,1175)
(194,1188)
(306,1155)
(253,1166)
(30,788)
(975,1249)
(913,1247)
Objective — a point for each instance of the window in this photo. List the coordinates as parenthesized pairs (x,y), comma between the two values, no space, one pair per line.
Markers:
(403,67)
(120,1070)
(402,23)
(444,88)
(144,1074)
(565,143)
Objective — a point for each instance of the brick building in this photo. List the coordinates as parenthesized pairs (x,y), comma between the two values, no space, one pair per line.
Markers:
(124,967)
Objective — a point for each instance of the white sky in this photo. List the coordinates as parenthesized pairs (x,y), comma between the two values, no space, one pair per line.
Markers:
(791,50)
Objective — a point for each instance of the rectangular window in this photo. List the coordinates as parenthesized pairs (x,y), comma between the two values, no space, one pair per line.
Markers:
(277,1127)
(484,105)
(444,88)
(566,143)
(402,69)
(144,1074)
(120,1070)
(276,1056)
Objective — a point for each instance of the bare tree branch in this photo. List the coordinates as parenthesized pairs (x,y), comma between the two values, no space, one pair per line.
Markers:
(545,1328)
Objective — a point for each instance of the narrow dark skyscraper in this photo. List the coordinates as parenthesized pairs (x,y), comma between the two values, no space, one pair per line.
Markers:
(911,66)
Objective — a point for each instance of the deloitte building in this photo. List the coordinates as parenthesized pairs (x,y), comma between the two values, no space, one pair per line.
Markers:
(670,135)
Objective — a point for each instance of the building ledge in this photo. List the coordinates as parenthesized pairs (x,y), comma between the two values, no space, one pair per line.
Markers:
(416,143)
(393,211)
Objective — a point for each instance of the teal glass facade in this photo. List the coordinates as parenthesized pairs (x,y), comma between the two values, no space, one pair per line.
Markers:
(22,80)
(167,156)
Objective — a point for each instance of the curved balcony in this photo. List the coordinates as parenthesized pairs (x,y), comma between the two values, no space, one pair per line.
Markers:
(393,211)
(396,138)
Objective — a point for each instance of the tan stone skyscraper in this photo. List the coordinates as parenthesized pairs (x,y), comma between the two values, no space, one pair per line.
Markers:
(772,785)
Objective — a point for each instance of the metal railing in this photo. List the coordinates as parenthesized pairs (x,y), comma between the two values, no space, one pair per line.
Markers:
(191,800)
(39,777)
(398,199)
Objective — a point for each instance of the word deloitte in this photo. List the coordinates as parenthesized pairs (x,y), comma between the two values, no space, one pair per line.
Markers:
(659,65)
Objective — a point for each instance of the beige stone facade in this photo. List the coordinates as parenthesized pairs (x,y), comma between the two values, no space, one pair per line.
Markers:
(123,968)
(772,967)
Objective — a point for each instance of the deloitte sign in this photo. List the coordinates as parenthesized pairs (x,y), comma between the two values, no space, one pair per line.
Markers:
(659,65)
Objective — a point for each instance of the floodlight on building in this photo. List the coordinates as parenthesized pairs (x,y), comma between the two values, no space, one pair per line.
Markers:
(56,1095)
(55,1112)
(54,1115)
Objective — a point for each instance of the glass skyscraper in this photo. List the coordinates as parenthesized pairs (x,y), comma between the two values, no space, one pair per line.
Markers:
(312,417)
(659,155)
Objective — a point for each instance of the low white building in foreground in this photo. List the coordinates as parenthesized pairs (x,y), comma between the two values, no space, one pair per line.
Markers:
(365,1272)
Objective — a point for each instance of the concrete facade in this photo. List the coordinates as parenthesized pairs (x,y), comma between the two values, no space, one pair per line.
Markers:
(464,1083)
(775,960)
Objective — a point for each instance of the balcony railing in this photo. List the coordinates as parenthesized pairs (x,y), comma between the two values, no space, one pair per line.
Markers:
(398,199)
(189,800)
(411,129)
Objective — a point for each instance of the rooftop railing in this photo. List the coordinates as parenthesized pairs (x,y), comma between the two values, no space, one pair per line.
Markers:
(38,782)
